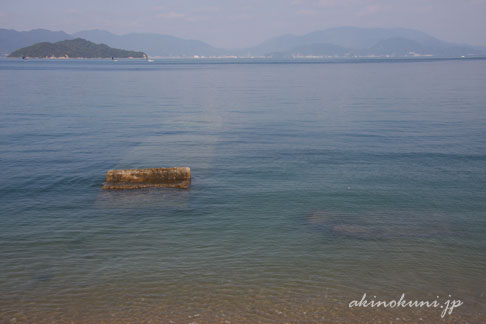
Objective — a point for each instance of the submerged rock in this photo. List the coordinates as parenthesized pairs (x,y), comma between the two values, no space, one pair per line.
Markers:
(178,177)
(369,226)
(358,231)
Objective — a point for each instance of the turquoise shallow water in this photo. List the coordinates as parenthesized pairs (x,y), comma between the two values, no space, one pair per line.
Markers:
(313,183)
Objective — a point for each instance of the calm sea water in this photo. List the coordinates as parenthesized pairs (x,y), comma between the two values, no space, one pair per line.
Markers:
(313,183)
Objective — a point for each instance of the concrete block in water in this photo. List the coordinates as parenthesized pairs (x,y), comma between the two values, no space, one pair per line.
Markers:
(179,177)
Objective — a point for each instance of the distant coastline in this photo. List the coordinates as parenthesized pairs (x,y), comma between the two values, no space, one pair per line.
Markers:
(262,60)
(63,58)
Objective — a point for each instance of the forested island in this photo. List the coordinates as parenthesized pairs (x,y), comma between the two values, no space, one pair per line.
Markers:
(74,48)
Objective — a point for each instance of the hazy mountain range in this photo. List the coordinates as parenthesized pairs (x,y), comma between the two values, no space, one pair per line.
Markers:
(338,42)
(152,44)
(354,41)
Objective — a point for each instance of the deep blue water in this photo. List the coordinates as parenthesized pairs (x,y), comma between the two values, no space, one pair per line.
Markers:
(311,185)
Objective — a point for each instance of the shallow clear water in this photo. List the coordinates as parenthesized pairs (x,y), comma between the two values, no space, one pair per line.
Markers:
(312,184)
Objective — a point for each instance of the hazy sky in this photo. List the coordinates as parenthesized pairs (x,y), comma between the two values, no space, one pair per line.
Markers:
(241,23)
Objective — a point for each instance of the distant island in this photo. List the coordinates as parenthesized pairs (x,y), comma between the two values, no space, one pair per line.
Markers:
(75,48)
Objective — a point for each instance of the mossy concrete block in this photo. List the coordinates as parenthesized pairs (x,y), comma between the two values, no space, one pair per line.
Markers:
(178,177)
